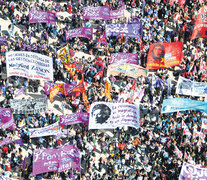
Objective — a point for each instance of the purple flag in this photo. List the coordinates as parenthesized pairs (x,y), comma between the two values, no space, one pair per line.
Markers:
(38,16)
(19,92)
(10,124)
(19,141)
(133,30)
(86,32)
(96,13)
(118,13)
(58,160)
(75,118)
(3,41)
(129,58)
(192,172)
(5,141)
(5,116)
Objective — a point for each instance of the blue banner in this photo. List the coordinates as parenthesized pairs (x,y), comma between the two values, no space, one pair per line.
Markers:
(182,104)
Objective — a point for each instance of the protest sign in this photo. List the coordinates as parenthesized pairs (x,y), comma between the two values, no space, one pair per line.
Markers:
(5,141)
(118,13)
(200,28)
(192,172)
(5,118)
(130,70)
(120,58)
(163,55)
(28,106)
(96,13)
(29,64)
(50,130)
(75,118)
(86,32)
(182,104)
(111,115)
(57,160)
(8,125)
(3,41)
(132,30)
(191,88)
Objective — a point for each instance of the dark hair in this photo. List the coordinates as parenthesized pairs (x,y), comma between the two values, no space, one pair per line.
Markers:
(163,52)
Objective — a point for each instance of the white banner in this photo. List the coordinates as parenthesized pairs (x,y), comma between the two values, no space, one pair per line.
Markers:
(50,130)
(191,88)
(29,64)
(105,115)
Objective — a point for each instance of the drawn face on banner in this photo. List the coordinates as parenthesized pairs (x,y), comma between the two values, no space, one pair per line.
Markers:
(158,52)
(101,113)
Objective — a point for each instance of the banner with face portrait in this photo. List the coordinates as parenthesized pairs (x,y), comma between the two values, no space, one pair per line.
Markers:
(28,106)
(192,172)
(200,28)
(120,58)
(29,64)
(105,115)
(164,55)
(191,88)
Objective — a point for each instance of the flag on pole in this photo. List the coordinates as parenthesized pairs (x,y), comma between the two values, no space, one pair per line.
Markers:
(64,55)
(178,153)
(108,90)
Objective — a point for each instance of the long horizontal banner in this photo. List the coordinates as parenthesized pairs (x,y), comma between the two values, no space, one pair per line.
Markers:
(120,58)
(130,70)
(192,172)
(5,118)
(118,13)
(182,104)
(50,130)
(132,30)
(111,115)
(57,160)
(96,13)
(75,118)
(29,64)
(191,88)
(38,16)
(163,55)
(8,125)
(86,32)
(28,106)
(3,41)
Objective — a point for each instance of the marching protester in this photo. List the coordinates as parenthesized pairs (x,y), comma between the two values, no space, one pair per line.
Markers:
(103,90)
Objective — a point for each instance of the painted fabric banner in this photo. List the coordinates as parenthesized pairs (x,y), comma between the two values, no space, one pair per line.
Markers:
(192,172)
(111,115)
(86,32)
(200,28)
(28,106)
(130,70)
(163,55)
(120,58)
(29,64)
(58,160)
(132,30)
(6,117)
(5,141)
(39,16)
(75,118)
(191,88)
(96,13)
(64,54)
(3,41)
(182,104)
(50,130)
(118,13)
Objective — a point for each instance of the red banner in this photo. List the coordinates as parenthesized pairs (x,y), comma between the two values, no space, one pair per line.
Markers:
(200,29)
(163,55)
(55,90)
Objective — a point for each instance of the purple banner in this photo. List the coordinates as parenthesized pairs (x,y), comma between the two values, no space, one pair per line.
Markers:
(192,172)
(5,116)
(118,13)
(5,141)
(19,141)
(119,58)
(10,124)
(75,118)
(86,32)
(133,30)
(96,13)
(19,92)
(48,86)
(58,160)
(3,41)
(38,16)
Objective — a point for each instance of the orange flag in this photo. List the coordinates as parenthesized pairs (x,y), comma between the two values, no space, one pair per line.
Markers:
(107,90)
(55,90)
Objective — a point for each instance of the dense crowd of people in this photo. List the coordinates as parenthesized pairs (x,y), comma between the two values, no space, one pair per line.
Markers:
(128,153)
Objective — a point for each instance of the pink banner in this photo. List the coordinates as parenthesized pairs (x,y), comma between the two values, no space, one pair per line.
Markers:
(118,13)
(5,117)
(58,160)
(86,32)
